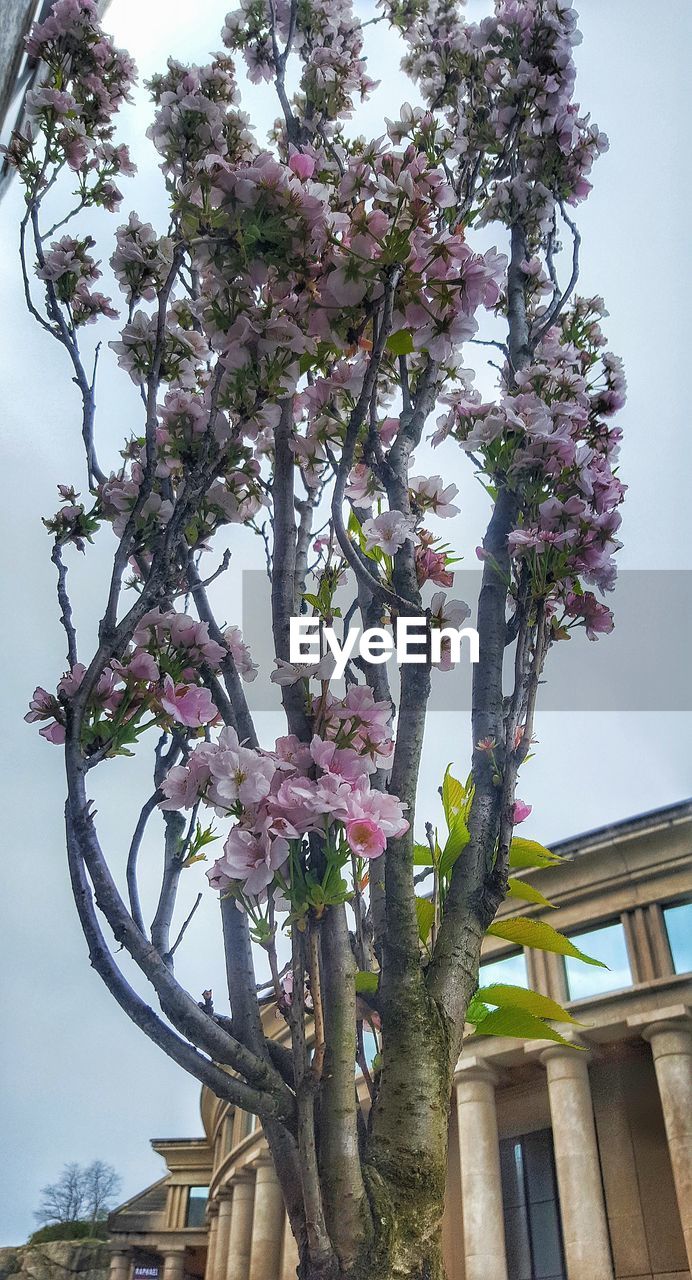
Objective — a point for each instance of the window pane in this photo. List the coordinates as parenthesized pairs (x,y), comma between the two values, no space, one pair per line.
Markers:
(606,944)
(512,1173)
(196,1205)
(538,1156)
(514,1203)
(370,1047)
(543,1212)
(679,926)
(228,1134)
(517,1245)
(511,969)
(248,1124)
(545,1240)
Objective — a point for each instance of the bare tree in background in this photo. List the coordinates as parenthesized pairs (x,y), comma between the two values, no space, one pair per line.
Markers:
(82,1193)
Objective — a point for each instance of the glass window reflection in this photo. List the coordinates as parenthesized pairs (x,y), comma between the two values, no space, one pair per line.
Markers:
(607,944)
(678,920)
(510,969)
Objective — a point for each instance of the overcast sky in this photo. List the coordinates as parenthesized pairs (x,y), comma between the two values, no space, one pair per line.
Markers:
(78,1081)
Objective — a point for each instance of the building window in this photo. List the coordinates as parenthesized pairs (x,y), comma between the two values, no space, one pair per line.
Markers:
(678,920)
(531,1210)
(196,1205)
(228,1134)
(248,1124)
(510,969)
(608,944)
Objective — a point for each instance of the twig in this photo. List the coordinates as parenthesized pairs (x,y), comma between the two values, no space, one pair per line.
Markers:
(558,303)
(64,602)
(184,925)
(317,1064)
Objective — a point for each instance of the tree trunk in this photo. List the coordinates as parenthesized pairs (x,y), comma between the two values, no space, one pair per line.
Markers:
(408,1244)
(405,1158)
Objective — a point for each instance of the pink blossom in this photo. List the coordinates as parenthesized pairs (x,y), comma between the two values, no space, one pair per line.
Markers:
(431,494)
(288,673)
(343,761)
(188,704)
(54,733)
(70,683)
(291,753)
(365,838)
(383,809)
(520,811)
(239,651)
(388,532)
(302,165)
(250,859)
(180,788)
(142,666)
(239,774)
(42,706)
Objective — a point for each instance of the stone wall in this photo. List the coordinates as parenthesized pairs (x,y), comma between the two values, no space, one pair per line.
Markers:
(57,1260)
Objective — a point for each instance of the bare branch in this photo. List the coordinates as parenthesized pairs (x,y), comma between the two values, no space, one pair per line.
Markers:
(558,304)
(65,606)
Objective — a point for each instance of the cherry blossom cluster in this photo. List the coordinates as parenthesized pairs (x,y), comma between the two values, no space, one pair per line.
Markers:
(197,125)
(184,350)
(68,269)
(550,437)
(87,81)
(72,523)
(160,675)
(233,497)
(141,260)
(505,87)
(330,45)
(277,797)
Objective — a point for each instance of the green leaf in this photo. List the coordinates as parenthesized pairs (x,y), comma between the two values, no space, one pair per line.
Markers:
(452,795)
(542,936)
(367,983)
(354,528)
(529,853)
(457,841)
(506,996)
(518,1023)
(520,889)
(425,912)
(400,343)
(476,1009)
(423,856)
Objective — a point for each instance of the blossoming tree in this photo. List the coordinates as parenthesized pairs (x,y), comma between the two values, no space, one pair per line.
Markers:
(294,334)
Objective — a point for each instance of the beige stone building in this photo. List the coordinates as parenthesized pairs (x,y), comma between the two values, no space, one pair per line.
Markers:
(579,1165)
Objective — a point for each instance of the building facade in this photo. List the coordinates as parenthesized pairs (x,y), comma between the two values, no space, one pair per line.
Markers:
(563,1165)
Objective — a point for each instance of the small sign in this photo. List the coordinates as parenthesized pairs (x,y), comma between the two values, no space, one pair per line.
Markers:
(149,1272)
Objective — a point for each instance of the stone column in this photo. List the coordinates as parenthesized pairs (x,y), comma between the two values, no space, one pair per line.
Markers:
(290,1257)
(120,1264)
(671,1047)
(223,1234)
(173,1264)
(240,1237)
(481,1187)
(267,1224)
(212,1235)
(582,1205)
